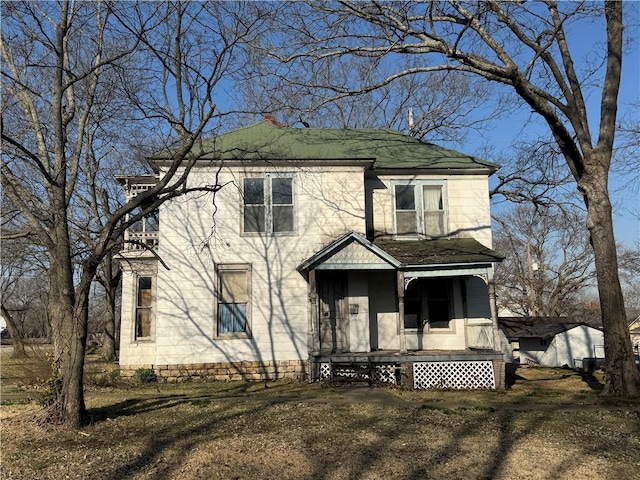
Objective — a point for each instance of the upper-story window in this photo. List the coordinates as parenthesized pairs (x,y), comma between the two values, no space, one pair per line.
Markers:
(420,209)
(268,204)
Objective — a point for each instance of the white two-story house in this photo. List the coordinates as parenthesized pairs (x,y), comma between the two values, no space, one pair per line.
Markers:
(324,248)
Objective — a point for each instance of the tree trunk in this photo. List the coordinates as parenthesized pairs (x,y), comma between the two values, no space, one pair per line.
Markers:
(69,317)
(69,334)
(111,283)
(622,376)
(16,337)
(109,339)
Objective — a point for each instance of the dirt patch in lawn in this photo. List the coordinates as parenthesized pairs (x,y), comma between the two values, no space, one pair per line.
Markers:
(286,430)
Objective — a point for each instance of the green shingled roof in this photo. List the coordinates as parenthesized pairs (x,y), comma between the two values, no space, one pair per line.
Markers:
(388,149)
(437,252)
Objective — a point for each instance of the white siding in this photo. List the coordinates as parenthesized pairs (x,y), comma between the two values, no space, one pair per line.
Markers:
(199,231)
(565,349)
(196,235)
(467,199)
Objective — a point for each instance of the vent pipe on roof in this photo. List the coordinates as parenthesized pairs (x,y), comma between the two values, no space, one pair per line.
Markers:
(411,132)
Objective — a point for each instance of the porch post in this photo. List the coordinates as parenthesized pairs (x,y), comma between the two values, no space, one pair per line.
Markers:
(403,338)
(314,344)
(491,287)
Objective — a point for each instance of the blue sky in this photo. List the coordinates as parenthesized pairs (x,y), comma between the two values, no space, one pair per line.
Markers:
(624,186)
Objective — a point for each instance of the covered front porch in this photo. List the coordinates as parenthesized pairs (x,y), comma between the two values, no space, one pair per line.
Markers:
(411,313)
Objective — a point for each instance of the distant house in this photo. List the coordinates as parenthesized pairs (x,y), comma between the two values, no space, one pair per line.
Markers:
(324,247)
(551,341)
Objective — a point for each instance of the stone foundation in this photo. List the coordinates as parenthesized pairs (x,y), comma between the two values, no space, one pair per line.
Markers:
(252,371)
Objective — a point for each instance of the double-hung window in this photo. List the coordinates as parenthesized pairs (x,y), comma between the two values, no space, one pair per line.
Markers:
(144,309)
(420,209)
(268,204)
(234,300)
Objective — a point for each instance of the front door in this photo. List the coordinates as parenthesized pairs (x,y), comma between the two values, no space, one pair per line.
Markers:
(334,321)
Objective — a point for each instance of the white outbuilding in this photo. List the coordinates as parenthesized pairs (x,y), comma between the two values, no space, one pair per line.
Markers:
(552,341)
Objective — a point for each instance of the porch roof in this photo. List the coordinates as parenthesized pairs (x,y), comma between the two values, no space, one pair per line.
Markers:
(439,251)
(353,251)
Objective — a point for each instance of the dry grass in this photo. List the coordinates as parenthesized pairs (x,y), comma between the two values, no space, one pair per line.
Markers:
(550,424)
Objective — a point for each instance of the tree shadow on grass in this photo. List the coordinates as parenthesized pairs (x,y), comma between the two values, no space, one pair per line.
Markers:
(158,400)
(593,383)
(510,375)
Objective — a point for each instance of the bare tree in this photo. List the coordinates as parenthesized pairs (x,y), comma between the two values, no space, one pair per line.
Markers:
(522,46)
(548,264)
(532,173)
(443,106)
(66,68)
(23,282)
(630,273)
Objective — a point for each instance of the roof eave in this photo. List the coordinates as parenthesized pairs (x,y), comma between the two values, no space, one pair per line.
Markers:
(442,266)
(207,162)
(435,171)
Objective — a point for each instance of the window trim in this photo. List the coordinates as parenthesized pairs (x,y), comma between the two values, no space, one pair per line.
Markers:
(152,307)
(267,178)
(419,207)
(230,267)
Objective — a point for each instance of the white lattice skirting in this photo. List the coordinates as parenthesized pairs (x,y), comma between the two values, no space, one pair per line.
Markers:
(382,373)
(463,375)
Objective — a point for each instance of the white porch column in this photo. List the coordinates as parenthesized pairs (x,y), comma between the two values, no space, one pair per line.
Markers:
(403,338)
(314,343)
(491,287)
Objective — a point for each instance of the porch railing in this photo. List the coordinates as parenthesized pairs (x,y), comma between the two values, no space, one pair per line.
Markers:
(139,241)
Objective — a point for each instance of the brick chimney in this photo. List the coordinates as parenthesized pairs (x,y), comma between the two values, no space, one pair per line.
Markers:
(271,119)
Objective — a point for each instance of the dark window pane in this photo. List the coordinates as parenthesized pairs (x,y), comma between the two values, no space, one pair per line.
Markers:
(282,219)
(413,306)
(439,313)
(405,197)
(254,218)
(281,191)
(254,191)
(439,303)
(144,292)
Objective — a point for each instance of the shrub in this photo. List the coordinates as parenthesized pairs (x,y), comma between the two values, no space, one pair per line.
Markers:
(144,375)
